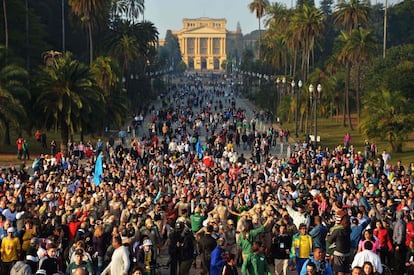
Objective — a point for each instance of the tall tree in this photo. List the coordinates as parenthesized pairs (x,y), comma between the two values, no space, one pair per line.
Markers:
(351,15)
(259,7)
(128,9)
(91,14)
(66,93)
(107,74)
(344,56)
(12,95)
(307,25)
(6,29)
(362,47)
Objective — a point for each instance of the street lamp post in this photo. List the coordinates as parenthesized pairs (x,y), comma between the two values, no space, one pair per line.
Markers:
(300,83)
(293,84)
(278,95)
(316,97)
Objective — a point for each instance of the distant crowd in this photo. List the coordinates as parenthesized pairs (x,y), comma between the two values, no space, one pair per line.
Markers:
(196,180)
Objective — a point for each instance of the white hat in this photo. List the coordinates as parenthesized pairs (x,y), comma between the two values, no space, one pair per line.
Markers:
(147,242)
(10,230)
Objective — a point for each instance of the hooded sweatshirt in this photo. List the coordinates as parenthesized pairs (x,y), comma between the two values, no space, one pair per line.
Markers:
(21,268)
(399,231)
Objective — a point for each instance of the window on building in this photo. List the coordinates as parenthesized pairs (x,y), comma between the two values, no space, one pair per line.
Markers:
(203,46)
(216,45)
(190,45)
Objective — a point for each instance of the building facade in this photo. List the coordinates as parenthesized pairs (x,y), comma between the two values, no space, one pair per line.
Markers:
(203,43)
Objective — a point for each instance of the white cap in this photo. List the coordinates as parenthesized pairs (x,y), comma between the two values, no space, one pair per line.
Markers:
(147,242)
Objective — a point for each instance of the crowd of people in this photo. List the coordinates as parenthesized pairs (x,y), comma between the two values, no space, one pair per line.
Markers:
(201,183)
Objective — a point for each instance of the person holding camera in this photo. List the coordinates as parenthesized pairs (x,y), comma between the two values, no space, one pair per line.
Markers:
(79,262)
(322,265)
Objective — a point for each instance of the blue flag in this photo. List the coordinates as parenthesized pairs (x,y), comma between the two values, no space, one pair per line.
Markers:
(199,148)
(157,197)
(98,170)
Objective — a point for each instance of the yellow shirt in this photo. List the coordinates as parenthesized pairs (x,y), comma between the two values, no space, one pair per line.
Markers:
(9,249)
(303,246)
(27,236)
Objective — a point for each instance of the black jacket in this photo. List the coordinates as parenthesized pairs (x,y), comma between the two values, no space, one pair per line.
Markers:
(342,239)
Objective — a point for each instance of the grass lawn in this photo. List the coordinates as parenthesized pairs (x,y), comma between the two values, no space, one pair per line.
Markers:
(8,153)
(332,134)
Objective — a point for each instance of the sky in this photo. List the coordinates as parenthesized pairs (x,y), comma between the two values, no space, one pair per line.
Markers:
(168,14)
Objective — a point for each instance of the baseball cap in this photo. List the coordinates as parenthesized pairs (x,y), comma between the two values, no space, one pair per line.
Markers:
(10,230)
(34,241)
(147,242)
(79,252)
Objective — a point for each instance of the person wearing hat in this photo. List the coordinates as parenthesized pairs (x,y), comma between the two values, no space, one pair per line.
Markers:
(10,250)
(146,256)
(79,263)
(32,259)
(175,240)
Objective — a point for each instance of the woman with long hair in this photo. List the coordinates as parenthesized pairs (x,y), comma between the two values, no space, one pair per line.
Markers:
(368,268)
(369,236)
(384,238)
(100,244)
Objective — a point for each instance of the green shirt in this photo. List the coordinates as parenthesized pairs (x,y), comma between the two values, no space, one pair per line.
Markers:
(196,222)
(87,266)
(246,243)
(255,264)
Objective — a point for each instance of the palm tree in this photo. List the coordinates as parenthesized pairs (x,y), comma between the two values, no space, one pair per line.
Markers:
(351,15)
(116,102)
(126,50)
(50,57)
(362,46)
(387,115)
(128,9)
(277,14)
(67,92)
(12,95)
(259,7)
(91,14)
(133,9)
(345,57)
(307,25)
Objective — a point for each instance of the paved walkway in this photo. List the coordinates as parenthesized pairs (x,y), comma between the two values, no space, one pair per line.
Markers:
(282,149)
(262,126)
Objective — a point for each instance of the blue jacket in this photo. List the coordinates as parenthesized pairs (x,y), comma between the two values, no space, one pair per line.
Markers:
(217,262)
(356,232)
(327,268)
(318,234)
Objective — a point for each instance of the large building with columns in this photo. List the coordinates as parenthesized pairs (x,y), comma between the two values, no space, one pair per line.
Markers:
(204,43)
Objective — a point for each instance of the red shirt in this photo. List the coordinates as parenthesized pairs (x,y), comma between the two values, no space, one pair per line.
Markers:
(383,237)
(409,232)
(19,143)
